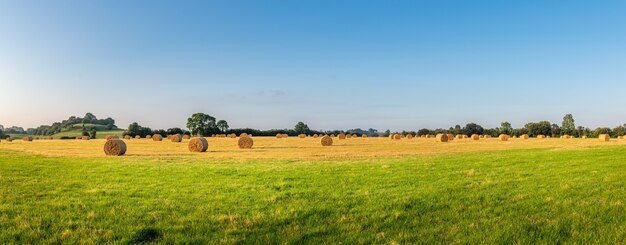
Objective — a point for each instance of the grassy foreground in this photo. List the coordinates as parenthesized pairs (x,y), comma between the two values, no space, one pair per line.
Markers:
(522,196)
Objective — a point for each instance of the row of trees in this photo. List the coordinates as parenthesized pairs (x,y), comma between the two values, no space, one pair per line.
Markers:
(135,129)
(206,125)
(71,123)
(567,127)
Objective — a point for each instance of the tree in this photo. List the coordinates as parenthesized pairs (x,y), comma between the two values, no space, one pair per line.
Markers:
(473,128)
(534,129)
(301,128)
(505,128)
(222,125)
(423,131)
(556,130)
(568,127)
(133,129)
(92,133)
(202,124)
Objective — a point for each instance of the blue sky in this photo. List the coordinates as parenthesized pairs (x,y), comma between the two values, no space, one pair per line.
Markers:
(401,65)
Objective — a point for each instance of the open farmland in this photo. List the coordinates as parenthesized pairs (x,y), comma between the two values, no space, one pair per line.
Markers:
(373,190)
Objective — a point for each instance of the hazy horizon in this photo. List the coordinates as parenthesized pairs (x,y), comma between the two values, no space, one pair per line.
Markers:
(401,65)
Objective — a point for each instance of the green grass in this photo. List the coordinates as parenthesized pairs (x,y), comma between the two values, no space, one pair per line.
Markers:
(516,196)
(99,134)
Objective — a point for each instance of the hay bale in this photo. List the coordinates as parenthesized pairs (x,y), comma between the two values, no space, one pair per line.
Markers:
(186,137)
(523,136)
(27,138)
(148,136)
(475,137)
(341,136)
(176,138)
(301,136)
(157,137)
(315,136)
(441,138)
(397,136)
(459,136)
(127,137)
(503,137)
(85,138)
(112,137)
(198,144)
(114,147)
(243,135)
(245,142)
(137,137)
(487,136)
(364,136)
(9,139)
(604,138)
(332,135)
(354,136)
(541,136)
(348,136)
(326,140)
(409,136)
(585,136)
(450,137)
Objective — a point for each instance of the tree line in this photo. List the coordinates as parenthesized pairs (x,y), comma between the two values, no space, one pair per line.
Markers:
(201,124)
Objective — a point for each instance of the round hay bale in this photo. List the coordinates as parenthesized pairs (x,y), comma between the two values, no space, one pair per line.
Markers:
(245,142)
(315,136)
(9,139)
(523,136)
(198,144)
(243,135)
(541,136)
(341,136)
(137,137)
(301,136)
(326,140)
(450,137)
(487,136)
(85,138)
(585,136)
(27,138)
(112,137)
(348,136)
(332,135)
(278,136)
(157,137)
(127,137)
(114,147)
(409,136)
(176,138)
(148,136)
(364,136)
(441,138)
(604,138)
(354,136)
(475,137)
(459,136)
(186,137)
(503,137)
(397,136)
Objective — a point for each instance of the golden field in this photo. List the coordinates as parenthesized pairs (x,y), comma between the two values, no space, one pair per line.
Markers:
(296,148)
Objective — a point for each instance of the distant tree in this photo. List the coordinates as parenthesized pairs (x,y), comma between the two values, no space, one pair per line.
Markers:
(92,132)
(222,125)
(556,130)
(202,124)
(423,131)
(505,128)
(134,129)
(568,127)
(534,129)
(301,128)
(473,128)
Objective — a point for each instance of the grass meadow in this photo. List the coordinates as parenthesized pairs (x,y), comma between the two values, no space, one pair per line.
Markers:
(295,191)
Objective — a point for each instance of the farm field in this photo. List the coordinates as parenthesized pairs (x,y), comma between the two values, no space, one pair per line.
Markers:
(373,190)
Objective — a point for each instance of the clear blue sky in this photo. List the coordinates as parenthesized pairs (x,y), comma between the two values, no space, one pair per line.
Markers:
(332,64)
